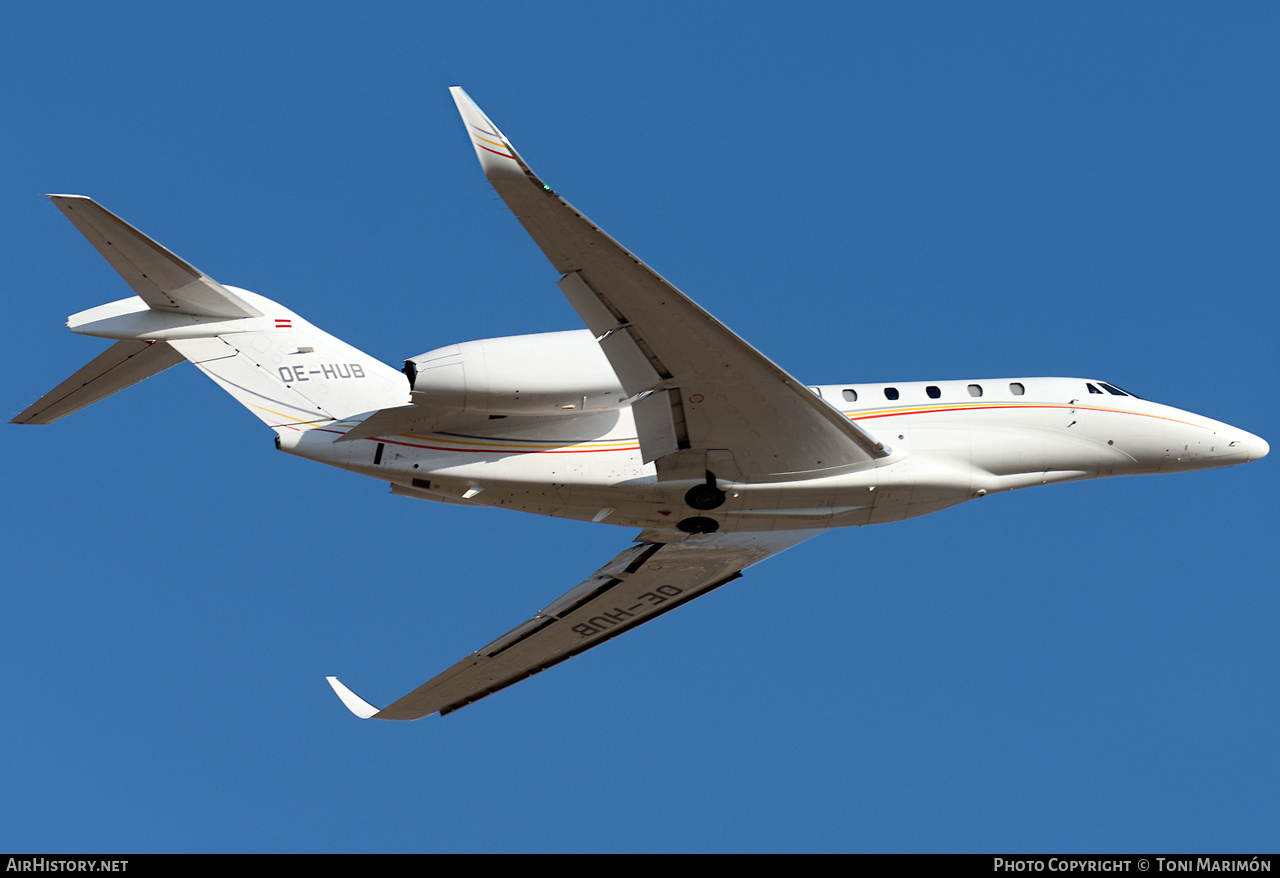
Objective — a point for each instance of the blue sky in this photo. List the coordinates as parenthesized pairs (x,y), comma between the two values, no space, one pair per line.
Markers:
(864,192)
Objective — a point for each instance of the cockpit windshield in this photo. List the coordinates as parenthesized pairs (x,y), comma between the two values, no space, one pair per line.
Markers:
(1111,389)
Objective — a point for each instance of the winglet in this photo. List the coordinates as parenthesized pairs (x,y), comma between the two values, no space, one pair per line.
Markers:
(354,702)
(498,157)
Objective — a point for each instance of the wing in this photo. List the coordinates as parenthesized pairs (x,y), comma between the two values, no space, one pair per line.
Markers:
(662,572)
(705,394)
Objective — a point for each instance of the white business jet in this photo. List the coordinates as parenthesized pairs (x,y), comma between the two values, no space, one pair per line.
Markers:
(656,416)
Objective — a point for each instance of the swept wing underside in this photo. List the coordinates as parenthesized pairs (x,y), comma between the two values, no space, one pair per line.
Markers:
(639,585)
(703,400)
(708,390)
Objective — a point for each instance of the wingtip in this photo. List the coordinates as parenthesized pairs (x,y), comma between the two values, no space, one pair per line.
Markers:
(354,702)
(470,110)
(497,156)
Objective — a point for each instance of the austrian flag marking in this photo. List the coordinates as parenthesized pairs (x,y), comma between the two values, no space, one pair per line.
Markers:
(284,323)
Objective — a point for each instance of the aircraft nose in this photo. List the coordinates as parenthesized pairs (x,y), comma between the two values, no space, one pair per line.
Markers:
(1224,445)
(1255,447)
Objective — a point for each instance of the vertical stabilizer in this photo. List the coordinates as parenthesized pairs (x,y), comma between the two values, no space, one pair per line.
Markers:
(292,374)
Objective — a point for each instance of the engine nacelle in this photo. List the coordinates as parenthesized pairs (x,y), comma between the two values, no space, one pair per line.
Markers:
(549,373)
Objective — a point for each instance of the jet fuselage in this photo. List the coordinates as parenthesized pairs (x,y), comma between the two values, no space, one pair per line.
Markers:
(951,441)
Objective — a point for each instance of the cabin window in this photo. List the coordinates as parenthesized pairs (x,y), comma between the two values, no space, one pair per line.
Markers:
(1017,389)
(817,390)
(933,391)
(975,390)
(891,393)
(850,395)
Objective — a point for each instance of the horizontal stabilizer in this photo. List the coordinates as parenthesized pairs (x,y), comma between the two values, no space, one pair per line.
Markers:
(123,364)
(161,279)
